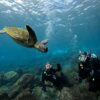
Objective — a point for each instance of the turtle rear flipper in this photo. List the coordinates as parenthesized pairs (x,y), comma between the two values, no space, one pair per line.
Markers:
(32,34)
(2,31)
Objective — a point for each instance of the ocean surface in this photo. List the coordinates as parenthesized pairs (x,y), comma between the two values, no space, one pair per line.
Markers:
(70,26)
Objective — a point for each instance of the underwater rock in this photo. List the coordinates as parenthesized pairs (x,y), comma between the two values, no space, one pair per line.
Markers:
(50,94)
(11,76)
(25,95)
(65,94)
(4,96)
(2,79)
(37,91)
(26,81)
(80,92)
(72,74)
(4,89)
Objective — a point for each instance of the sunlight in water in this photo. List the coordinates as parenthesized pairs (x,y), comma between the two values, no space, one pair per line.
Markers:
(68,1)
(19,1)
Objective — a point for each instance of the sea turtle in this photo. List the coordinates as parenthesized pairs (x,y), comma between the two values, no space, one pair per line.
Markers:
(26,37)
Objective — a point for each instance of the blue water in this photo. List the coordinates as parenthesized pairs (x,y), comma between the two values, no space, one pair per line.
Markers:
(70,25)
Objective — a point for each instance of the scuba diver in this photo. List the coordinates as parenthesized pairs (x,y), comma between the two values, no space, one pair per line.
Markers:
(83,65)
(89,68)
(51,75)
(94,79)
(26,37)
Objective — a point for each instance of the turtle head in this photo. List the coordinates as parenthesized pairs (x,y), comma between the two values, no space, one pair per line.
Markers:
(41,47)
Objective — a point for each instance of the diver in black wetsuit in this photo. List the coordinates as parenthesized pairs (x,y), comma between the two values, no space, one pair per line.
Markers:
(94,79)
(84,65)
(50,75)
(89,68)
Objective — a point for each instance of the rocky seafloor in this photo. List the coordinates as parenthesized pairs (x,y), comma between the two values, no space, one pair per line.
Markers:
(26,85)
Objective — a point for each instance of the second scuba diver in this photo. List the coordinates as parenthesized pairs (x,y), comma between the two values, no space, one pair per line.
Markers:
(89,68)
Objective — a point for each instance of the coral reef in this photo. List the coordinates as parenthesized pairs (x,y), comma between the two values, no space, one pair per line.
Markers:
(19,85)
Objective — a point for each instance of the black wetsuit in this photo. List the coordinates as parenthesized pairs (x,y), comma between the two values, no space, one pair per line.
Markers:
(84,70)
(50,75)
(94,80)
(91,71)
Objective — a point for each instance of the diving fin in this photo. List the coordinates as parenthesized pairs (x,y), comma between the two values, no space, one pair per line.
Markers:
(32,34)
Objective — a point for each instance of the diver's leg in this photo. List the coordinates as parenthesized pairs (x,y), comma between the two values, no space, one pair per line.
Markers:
(2,31)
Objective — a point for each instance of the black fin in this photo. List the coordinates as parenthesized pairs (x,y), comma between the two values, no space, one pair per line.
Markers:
(32,34)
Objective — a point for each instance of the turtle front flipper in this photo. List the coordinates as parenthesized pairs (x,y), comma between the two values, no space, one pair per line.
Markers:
(32,35)
(44,41)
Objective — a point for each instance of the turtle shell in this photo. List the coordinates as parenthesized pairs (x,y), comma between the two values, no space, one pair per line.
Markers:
(25,37)
(17,33)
